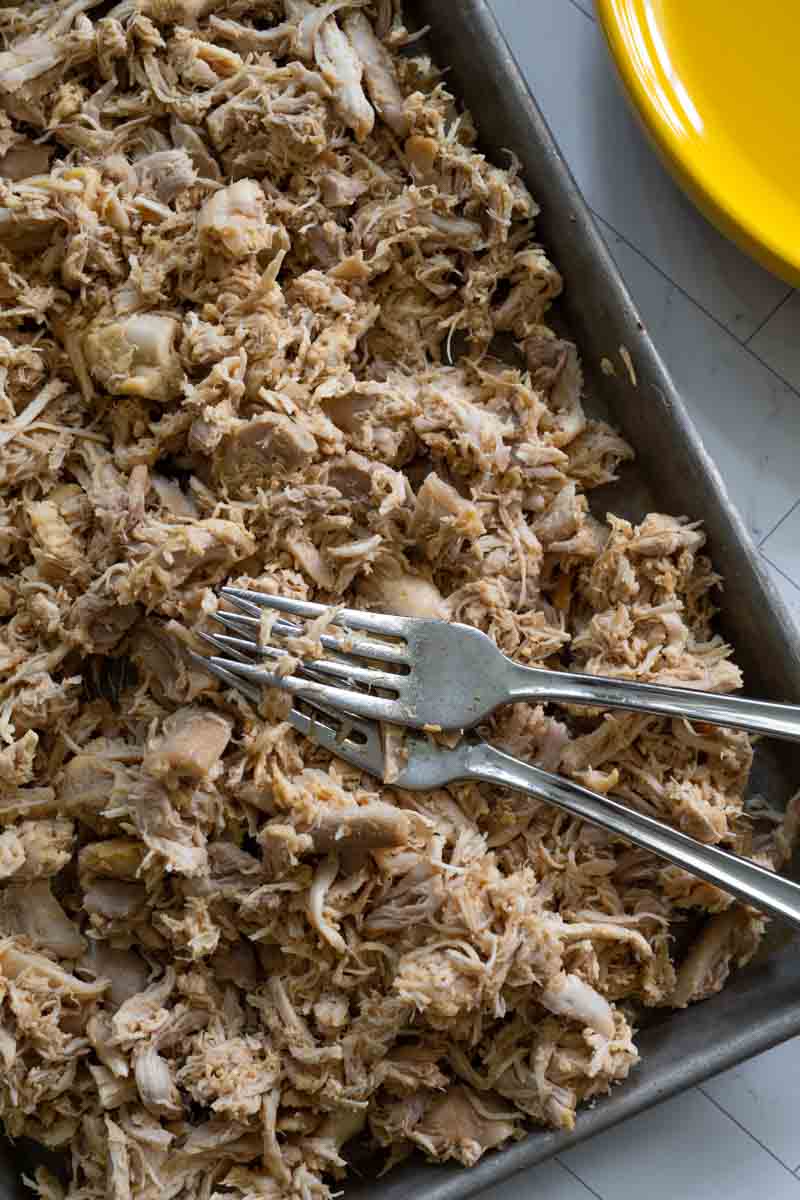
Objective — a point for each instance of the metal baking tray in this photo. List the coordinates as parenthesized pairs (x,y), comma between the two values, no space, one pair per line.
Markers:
(672,473)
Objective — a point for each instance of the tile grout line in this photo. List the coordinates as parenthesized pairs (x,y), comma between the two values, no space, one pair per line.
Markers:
(589,16)
(769,316)
(582,1182)
(770,368)
(788,579)
(743,345)
(746,1131)
(778,524)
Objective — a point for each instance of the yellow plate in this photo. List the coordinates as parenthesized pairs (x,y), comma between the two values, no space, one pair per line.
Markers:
(717,83)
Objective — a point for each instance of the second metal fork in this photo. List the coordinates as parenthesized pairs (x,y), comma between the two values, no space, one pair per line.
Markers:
(427,765)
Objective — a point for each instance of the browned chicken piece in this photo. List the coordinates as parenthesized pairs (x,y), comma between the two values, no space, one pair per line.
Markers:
(113,858)
(241,245)
(17,962)
(155,1083)
(233,222)
(392,588)
(115,900)
(343,70)
(91,782)
(12,853)
(191,744)
(358,827)
(230,1075)
(464,1125)
(729,939)
(32,911)
(340,191)
(125,970)
(379,72)
(136,356)
(253,451)
(570,996)
(59,553)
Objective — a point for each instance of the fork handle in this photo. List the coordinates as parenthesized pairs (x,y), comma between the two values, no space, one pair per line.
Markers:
(747,881)
(736,712)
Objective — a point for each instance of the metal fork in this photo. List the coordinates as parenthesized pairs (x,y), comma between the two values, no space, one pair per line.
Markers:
(428,765)
(450,676)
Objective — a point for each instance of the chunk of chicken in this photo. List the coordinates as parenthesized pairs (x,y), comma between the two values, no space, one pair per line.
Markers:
(270,444)
(125,970)
(464,1125)
(25,159)
(392,589)
(343,70)
(191,744)
(31,910)
(364,826)
(114,899)
(379,72)
(723,942)
(155,1083)
(340,191)
(12,853)
(233,222)
(89,783)
(570,996)
(47,845)
(17,961)
(136,356)
(165,172)
(114,858)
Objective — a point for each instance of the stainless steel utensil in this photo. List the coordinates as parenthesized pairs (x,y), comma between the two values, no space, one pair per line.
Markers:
(427,765)
(451,676)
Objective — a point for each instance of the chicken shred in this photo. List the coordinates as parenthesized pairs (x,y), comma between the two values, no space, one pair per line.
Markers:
(253,267)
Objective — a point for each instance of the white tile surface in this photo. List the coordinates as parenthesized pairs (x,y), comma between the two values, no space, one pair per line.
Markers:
(787,587)
(762,1095)
(564,56)
(749,418)
(778,341)
(684,1148)
(586,7)
(729,334)
(782,547)
(550,1181)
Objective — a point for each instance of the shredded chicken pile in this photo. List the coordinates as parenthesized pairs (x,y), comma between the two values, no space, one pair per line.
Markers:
(252,271)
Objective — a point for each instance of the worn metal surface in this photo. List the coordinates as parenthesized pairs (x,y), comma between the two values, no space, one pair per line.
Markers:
(759,1008)
(673,473)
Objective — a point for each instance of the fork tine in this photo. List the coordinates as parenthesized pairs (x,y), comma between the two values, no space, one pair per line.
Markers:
(240,685)
(252,615)
(247,648)
(240,621)
(252,610)
(360,647)
(336,735)
(359,703)
(252,693)
(235,646)
(353,618)
(244,648)
(346,669)
(252,625)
